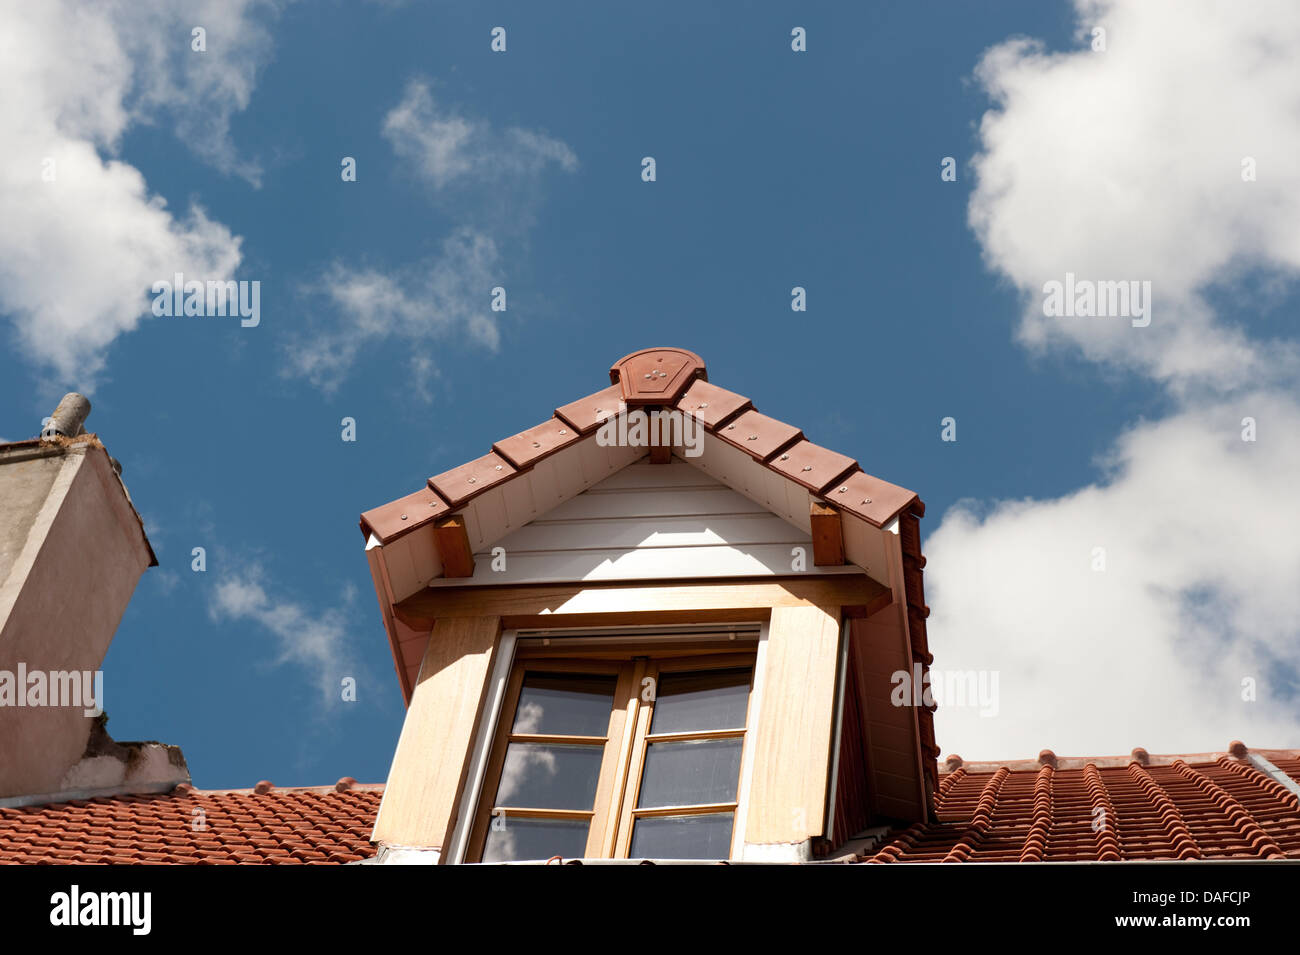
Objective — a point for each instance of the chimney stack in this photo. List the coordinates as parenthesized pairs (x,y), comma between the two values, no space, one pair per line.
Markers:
(65,516)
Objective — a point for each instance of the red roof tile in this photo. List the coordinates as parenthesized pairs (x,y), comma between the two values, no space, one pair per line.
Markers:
(194,826)
(587,413)
(758,435)
(875,501)
(814,467)
(710,404)
(1211,806)
(460,485)
(526,448)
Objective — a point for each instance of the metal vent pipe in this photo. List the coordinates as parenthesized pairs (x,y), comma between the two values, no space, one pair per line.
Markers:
(68,417)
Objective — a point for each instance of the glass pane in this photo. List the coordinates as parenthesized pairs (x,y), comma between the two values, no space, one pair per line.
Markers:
(690,773)
(701,700)
(511,838)
(550,776)
(565,704)
(682,837)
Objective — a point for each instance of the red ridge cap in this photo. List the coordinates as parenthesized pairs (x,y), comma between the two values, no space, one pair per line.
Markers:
(656,376)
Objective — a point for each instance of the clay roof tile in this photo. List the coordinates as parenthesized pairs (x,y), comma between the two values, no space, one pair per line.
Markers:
(758,435)
(459,485)
(812,466)
(586,414)
(526,448)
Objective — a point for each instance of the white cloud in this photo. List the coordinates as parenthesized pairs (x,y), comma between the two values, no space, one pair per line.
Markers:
(1126,164)
(447,148)
(490,179)
(315,640)
(1200,532)
(78,254)
(434,300)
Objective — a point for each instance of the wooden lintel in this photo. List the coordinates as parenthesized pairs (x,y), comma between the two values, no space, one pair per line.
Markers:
(827,535)
(453,546)
(582,604)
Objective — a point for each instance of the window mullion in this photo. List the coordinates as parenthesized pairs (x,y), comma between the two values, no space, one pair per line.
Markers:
(646,669)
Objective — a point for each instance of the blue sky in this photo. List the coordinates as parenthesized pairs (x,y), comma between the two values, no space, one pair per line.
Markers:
(774,169)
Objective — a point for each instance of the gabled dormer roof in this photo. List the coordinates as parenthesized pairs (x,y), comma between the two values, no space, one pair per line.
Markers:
(668,378)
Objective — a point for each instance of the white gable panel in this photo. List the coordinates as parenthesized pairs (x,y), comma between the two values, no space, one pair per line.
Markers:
(645,522)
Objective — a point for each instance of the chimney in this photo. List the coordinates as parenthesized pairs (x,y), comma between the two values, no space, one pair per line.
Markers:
(72,549)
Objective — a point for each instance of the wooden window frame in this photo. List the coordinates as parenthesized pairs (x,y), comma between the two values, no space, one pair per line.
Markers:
(633,657)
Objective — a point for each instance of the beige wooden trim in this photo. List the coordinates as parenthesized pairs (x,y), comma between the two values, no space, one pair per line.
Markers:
(576,605)
(698,809)
(787,799)
(636,764)
(618,790)
(432,759)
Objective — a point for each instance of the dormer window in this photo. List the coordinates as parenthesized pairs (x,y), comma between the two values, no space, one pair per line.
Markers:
(681,650)
(618,751)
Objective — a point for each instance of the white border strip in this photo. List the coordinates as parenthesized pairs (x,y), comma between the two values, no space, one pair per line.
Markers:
(482,745)
(751,740)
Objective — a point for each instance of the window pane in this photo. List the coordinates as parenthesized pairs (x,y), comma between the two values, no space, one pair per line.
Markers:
(701,700)
(513,838)
(550,776)
(565,704)
(690,773)
(682,837)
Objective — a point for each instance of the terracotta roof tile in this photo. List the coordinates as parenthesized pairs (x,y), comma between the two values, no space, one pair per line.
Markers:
(459,485)
(1211,806)
(526,448)
(240,826)
(587,413)
(875,501)
(758,435)
(391,521)
(812,466)
(710,404)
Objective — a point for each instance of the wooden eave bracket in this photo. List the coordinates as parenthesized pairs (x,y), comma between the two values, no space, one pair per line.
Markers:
(827,535)
(452,539)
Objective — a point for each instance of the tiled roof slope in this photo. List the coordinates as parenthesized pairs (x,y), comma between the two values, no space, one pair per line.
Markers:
(1211,806)
(286,826)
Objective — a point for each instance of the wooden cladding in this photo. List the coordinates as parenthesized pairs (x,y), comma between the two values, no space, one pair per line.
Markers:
(795,727)
(579,605)
(428,773)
